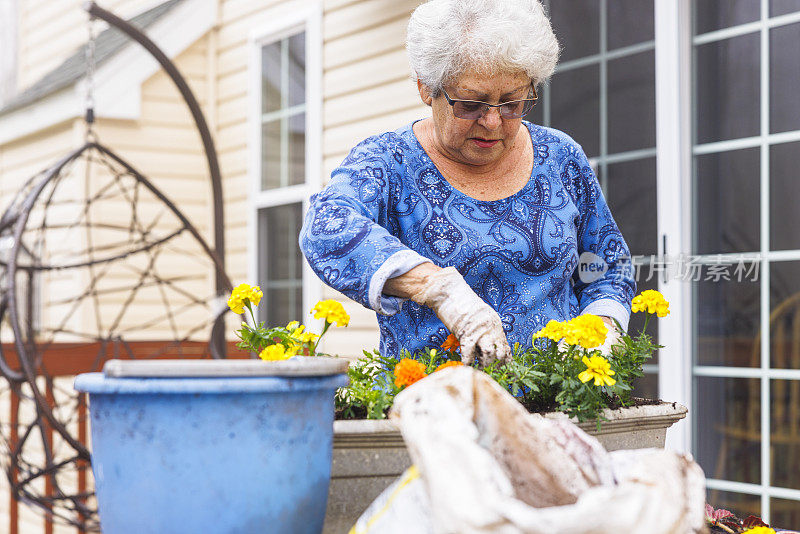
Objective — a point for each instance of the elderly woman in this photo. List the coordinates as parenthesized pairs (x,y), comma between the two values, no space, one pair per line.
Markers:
(475,216)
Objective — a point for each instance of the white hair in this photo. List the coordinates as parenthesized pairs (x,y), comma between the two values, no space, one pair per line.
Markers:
(447,37)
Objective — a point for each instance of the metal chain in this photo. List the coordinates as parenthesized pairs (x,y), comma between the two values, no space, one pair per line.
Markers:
(89,86)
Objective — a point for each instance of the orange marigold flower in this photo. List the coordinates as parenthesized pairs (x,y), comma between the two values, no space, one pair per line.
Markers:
(445,365)
(408,371)
(451,343)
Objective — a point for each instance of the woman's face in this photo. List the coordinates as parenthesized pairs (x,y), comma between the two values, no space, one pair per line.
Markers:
(477,141)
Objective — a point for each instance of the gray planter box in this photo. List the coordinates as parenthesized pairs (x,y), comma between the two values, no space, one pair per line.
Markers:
(368,455)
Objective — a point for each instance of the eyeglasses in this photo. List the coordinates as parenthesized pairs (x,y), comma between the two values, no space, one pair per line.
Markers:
(475,109)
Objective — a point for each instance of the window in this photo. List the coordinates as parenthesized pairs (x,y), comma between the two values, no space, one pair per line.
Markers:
(283,112)
(285,169)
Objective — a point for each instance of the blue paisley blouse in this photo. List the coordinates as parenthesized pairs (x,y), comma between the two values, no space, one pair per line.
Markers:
(388,209)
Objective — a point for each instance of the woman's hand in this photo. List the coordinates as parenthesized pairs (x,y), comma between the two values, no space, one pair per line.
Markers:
(474,323)
(614,336)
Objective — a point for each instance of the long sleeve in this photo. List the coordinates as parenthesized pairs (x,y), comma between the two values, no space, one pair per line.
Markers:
(345,235)
(604,281)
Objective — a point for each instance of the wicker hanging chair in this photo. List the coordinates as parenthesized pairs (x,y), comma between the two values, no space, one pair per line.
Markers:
(121,273)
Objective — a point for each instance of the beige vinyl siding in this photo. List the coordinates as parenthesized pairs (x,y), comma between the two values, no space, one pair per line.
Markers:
(51,30)
(163,144)
(238,19)
(22,159)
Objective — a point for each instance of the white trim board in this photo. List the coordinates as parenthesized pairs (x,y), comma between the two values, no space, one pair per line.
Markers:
(118,81)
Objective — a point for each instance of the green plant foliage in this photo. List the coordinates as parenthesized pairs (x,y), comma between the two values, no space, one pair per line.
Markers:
(543,378)
(371,391)
(254,339)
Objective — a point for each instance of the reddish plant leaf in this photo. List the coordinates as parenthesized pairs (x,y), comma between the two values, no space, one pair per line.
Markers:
(715,515)
(753,521)
(721,514)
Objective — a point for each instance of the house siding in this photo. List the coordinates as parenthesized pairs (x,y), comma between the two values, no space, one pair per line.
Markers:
(165,146)
(49,31)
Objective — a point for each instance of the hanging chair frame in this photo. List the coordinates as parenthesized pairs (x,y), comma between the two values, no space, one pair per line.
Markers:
(13,224)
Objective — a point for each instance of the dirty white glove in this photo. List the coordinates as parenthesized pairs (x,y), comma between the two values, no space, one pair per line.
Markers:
(474,323)
(614,336)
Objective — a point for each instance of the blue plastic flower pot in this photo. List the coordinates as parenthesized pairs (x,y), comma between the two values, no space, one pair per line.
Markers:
(224,454)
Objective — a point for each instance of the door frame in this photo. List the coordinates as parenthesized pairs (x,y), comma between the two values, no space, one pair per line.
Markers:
(674,175)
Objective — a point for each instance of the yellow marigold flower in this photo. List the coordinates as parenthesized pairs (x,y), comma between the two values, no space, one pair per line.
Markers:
(307,337)
(650,301)
(332,311)
(242,294)
(759,530)
(554,330)
(451,343)
(299,334)
(277,352)
(445,365)
(408,371)
(588,331)
(599,369)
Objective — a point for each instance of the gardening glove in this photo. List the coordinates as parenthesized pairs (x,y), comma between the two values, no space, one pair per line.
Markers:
(474,323)
(614,336)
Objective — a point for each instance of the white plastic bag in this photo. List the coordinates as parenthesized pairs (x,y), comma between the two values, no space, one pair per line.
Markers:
(482,464)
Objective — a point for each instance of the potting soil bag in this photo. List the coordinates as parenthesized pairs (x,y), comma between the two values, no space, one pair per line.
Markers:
(482,464)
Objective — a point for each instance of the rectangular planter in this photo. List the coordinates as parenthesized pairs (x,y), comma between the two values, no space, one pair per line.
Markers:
(368,455)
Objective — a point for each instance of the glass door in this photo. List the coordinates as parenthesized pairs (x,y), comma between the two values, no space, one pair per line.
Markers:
(703,184)
(745,302)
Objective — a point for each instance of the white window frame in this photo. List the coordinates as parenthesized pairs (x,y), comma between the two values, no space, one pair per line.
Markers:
(307,18)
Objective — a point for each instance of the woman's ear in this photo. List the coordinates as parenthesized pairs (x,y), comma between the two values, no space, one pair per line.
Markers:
(424,93)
